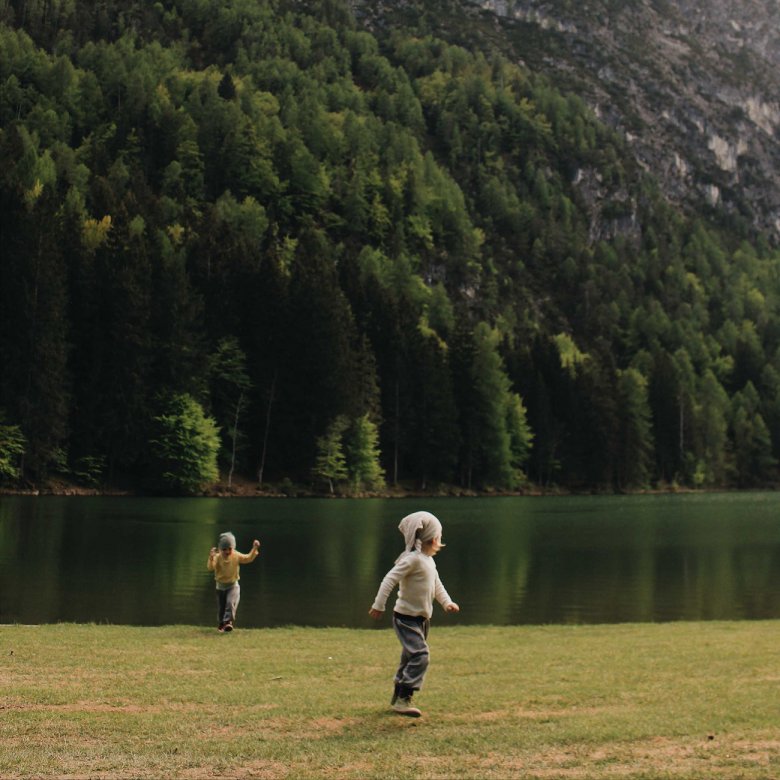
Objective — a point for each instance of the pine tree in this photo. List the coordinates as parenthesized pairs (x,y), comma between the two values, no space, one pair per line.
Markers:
(230,388)
(331,463)
(712,443)
(521,436)
(34,328)
(365,470)
(317,381)
(754,462)
(432,436)
(633,463)
(484,397)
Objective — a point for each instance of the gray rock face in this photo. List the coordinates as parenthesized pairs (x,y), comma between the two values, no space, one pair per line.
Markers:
(693,85)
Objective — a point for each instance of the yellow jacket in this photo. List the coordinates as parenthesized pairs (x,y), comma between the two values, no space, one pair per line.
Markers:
(226,569)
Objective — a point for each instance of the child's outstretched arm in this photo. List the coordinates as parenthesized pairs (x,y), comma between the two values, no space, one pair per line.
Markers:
(212,559)
(251,555)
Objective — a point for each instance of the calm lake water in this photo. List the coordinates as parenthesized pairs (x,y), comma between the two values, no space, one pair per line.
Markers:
(507,560)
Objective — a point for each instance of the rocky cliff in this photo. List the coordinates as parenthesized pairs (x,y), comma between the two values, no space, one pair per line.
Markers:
(692,85)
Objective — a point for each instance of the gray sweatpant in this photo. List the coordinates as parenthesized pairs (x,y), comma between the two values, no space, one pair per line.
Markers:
(227,603)
(412,633)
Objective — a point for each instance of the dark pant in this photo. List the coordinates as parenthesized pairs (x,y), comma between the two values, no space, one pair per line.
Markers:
(412,633)
(227,603)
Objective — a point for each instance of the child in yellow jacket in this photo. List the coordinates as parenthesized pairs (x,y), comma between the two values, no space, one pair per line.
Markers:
(225,562)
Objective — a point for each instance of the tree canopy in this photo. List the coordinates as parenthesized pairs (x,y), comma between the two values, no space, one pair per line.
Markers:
(288,221)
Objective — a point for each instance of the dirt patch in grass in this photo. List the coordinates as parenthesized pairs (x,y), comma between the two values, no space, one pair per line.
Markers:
(96,706)
(658,757)
(317,728)
(329,726)
(262,770)
(524,713)
(133,774)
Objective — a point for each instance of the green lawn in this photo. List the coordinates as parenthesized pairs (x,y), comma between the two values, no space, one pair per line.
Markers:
(678,700)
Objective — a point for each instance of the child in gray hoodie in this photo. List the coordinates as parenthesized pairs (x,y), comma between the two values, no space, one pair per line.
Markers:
(419,584)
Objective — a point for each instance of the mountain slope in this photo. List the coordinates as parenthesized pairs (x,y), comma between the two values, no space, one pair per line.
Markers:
(693,86)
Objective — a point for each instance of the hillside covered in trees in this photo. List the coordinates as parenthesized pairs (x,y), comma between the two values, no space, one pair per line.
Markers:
(256,232)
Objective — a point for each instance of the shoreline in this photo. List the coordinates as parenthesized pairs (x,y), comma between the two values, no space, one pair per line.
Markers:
(243,488)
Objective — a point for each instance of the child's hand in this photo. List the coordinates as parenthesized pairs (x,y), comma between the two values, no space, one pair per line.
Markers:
(256,544)
(375,613)
(453,607)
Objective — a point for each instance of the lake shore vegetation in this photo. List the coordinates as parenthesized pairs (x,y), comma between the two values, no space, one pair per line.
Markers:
(676,701)
(352,259)
(240,486)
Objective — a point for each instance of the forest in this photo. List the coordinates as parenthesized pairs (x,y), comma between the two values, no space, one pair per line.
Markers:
(251,238)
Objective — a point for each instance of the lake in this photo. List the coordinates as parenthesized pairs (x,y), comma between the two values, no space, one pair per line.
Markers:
(508,561)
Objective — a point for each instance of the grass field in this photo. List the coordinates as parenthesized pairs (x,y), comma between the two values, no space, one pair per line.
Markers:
(677,700)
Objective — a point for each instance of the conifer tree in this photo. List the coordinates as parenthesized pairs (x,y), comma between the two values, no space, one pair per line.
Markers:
(331,463)
(633,462)
(365,470)
(487,444)
(34,328)
(712,443)
(753,459)
(230,388)
(431,435)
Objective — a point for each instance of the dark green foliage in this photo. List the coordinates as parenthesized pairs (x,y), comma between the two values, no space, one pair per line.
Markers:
(230,388)
(34,326)
(264,207)
(12,446)
(348,452)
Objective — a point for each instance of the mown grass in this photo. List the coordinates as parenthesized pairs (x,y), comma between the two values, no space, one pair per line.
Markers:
(680,700)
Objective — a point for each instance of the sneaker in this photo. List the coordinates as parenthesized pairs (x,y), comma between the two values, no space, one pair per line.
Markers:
(227,627)
(404,706)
